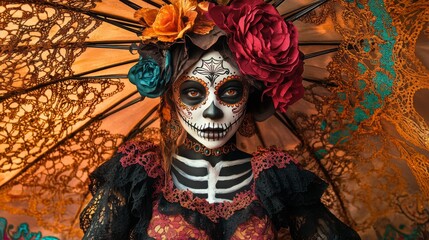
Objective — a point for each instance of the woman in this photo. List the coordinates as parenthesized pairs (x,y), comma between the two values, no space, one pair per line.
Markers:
(198,184)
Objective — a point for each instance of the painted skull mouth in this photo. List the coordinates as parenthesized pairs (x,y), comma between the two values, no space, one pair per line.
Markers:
(212,131)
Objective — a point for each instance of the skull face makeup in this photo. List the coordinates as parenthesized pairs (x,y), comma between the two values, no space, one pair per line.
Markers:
(211,100)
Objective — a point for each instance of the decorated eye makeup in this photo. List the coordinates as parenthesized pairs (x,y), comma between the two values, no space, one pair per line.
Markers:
(231,91)
(192,92)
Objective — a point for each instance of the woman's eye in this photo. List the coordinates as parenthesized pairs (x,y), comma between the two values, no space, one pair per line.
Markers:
(193,93)
(230,92)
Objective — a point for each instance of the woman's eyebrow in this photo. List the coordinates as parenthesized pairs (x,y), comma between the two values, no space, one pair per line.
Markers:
(228,79)
(191,82)
(187,77)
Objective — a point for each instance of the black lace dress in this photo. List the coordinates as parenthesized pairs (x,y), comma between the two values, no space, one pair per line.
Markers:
(133,198)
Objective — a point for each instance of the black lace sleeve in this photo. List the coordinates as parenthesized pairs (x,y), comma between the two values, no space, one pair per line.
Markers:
(317,222)
(291,197)
(121,206)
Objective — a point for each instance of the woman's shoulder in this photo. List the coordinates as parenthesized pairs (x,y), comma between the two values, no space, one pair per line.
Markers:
(134,162)
(281,182)
(123,189)
(142,153)
(267,158)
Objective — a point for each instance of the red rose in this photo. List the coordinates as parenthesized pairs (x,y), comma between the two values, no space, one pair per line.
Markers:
(286,92)
(264,45)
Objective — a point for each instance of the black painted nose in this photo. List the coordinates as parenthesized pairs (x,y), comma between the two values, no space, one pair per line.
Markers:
(213,112)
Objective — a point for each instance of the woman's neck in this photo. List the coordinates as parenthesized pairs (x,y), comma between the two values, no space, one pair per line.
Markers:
(215,174)
(192,149)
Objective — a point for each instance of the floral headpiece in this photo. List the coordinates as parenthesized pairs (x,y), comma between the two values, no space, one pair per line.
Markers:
(264,46)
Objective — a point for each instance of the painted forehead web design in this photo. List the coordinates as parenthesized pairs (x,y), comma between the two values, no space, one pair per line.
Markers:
(211,69)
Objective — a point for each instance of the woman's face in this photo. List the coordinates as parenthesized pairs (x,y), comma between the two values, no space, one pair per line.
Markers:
(211,100)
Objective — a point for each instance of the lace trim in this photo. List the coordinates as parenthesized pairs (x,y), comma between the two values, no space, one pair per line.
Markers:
(266,158)
(143,153)
(149,156)
(213,211)
(263,159)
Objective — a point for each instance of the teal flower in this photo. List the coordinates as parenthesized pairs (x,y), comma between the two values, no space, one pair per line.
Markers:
(150,76)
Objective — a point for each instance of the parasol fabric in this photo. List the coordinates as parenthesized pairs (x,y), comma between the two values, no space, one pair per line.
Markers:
(66,105)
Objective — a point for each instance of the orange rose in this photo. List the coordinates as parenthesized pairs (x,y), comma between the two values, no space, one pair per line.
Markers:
(172,21)
(203,25)
(146,16)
